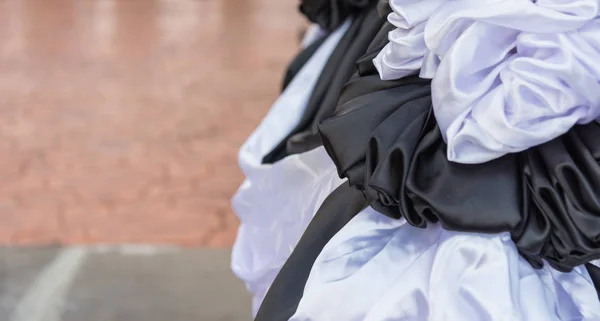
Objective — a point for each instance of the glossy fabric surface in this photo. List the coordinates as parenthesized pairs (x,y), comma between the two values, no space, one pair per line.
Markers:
(514,74)
(287,289)
(541,204)
(340,67)
(377,268)
(276,202)
(507,75)
(329,14)
(386,142)
(406,52)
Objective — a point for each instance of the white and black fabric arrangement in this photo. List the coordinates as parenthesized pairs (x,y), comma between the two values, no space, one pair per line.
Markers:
(456,177)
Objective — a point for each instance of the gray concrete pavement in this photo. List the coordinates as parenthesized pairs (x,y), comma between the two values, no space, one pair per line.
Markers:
(119,283)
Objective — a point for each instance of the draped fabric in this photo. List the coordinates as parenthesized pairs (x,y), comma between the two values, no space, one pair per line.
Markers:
(275,205)
(286,291)
(340,67)
(387,143)
(385,139)
(538,204)
(329,14)
(276,202)
(456,241)
(507,75)
(377,269)
(407,53)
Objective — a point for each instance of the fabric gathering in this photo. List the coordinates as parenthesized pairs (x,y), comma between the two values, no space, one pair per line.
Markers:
(429,160)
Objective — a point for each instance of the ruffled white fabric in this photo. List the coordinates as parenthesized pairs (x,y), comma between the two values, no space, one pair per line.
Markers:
(381,269)
(276,202)
(406,52)
(513,73)
(275,205)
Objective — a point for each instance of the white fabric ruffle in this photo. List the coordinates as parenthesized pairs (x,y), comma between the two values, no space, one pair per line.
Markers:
(507,74)
(380,269)
(275,205)
(513,74)
(406,52)
(276,202)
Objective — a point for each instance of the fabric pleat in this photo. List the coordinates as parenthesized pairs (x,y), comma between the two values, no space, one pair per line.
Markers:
(286,291)
(335,74)
(435,230)
(276,202)
(385,139)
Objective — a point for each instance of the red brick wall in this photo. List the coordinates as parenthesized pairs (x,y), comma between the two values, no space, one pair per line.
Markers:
(120,121)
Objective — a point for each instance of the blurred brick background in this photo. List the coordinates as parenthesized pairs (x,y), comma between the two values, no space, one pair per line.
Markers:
(120,120)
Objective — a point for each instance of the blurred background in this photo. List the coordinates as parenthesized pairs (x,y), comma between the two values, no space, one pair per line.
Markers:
(120,122)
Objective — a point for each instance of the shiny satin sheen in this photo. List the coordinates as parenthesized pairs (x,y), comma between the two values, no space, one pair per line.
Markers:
(384,139)
(276,202)
(370,149)
(381,269)
(507,75)
(335,74)
(286,291)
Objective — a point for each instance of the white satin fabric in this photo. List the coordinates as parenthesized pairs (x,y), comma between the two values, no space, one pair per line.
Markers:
(312,34)
(407,52)
(507,74)
(276,202)
(381,269)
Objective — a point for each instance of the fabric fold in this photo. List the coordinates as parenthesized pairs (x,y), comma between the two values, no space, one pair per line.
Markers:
(339,68)
(507,75)
(384,139)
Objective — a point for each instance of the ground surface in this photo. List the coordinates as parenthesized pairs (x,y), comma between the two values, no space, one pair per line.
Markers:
(120,119)
(119,283)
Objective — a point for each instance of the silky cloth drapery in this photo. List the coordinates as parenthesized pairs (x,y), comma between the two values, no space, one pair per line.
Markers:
(275,205)
(275,202)
(339,68)
(378,167)
(382,269)
(514,74)
(329,14)
(387,143)
(385,139)
(284,294)
(406,53)
(507,75)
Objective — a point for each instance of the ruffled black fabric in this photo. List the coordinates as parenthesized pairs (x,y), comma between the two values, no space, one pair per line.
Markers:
(337,71)
(330,14)
(383,137)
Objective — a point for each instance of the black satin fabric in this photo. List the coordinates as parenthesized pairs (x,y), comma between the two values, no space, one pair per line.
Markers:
(330,14)
(286,291)
(339,68)
(384,138)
